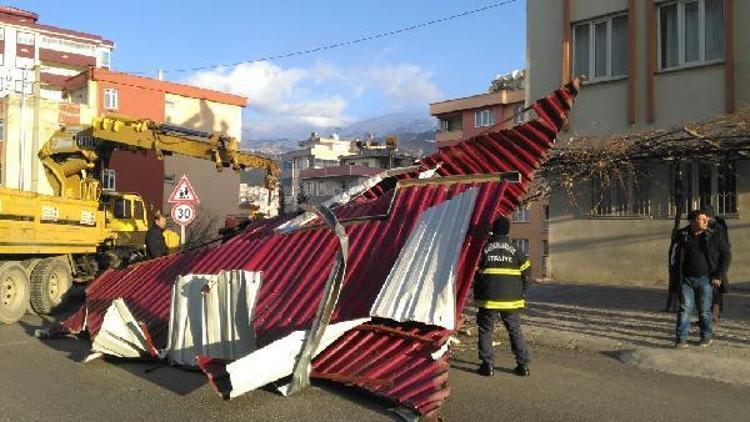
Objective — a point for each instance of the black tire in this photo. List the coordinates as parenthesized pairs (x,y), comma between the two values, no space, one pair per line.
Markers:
(50,281)
(30,264)
(14,291)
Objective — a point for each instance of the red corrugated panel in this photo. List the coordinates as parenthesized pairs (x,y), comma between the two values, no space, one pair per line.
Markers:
(394,363)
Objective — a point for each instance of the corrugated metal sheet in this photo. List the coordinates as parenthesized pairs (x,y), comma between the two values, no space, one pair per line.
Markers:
(276,360)
(390,359)
(421,286)
(121,334)
(211,315)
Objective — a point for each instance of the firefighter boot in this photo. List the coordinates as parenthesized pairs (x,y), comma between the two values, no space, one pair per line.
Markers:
(522,370)
(486,369)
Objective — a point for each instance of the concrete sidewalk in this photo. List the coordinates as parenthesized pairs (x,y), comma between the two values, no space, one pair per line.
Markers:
(629,321)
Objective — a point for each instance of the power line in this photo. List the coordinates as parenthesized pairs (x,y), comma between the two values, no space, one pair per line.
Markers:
(346,43)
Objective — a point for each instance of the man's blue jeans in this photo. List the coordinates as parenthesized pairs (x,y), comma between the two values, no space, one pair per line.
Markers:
(695,290)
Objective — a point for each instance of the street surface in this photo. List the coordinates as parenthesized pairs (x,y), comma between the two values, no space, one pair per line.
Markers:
(45,381)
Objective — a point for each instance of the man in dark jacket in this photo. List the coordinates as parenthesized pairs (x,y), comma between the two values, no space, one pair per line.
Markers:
(156,246)
(500,290)
(700,258)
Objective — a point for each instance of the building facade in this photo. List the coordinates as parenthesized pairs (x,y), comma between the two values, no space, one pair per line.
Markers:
(27,124)
(30,51)
(463,118)
(165,102)
(315,152)
(319,185)
(649,65)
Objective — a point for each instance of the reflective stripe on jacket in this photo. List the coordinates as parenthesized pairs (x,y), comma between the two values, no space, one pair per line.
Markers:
(501,279)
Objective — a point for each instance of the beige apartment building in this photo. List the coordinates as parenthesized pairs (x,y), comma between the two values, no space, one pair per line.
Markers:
(649,65)
(315,152)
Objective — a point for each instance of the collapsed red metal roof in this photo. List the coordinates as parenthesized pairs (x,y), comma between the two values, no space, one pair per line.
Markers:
(390,359)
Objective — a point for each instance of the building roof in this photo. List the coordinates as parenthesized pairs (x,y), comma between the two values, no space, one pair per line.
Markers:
(400,361)
(339,171)
(20,17)
(105,75)
(477,101)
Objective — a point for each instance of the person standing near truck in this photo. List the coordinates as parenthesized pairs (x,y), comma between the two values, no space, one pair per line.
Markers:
(156,245)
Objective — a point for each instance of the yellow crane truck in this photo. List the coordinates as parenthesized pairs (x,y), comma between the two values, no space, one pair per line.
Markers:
(49,241)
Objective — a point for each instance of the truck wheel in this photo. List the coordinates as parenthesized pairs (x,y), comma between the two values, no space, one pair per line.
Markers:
(14,292)
(50,280)
(30,264)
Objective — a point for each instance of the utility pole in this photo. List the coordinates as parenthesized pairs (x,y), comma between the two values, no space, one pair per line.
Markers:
(35,140)
(22,137)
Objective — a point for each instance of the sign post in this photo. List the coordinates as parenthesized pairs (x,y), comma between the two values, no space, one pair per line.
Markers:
(183,200)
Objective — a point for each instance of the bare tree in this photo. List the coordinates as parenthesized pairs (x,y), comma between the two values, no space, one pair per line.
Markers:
(203,230)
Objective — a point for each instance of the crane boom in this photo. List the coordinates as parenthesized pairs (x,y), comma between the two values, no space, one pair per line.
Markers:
(73,154)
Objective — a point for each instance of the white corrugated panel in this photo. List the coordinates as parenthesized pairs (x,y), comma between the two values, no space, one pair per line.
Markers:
(421,284)
(212,315)
(276,360)
(120,334)
(342,198)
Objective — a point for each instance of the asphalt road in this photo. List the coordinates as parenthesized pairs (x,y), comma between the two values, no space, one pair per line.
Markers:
(46,381)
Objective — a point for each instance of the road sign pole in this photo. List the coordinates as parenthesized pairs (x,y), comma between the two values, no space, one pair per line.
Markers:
(182,235)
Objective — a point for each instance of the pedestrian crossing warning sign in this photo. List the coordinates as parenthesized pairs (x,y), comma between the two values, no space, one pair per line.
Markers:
(183,192)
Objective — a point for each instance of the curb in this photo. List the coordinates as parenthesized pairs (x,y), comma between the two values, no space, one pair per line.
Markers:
(680,362)
(691,363)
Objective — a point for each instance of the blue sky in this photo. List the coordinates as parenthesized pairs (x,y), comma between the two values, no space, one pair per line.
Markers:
(291,97)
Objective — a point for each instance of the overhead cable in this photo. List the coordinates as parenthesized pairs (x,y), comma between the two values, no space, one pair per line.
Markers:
(345,43)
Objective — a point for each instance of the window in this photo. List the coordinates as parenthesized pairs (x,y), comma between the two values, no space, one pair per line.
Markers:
(522,245)
(138,210)
(110,99)
(484,118)
(518,114)
(707,184)
(691,33)
(24,62)
(600,48)
(104,57)
(109,180)
(68,46)
(521,214)
(25,38)
(621,198)
(123,208)
(451,123)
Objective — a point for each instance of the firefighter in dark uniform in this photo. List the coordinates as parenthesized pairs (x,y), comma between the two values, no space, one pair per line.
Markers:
(500,289)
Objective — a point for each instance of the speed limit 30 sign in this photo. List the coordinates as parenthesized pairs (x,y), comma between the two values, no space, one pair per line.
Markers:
(183,214)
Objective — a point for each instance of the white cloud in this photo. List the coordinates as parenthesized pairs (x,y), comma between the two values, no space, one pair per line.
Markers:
(406,83)
(293,101)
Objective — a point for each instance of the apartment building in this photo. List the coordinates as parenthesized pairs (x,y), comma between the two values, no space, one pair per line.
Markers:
(196,108)
(463,118)
(59,53)
(649,65)
(315,152)
(321,184)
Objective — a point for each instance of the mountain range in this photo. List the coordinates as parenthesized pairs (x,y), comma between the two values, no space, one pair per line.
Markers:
(416,133)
